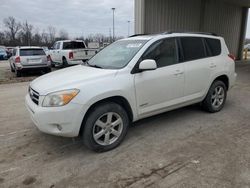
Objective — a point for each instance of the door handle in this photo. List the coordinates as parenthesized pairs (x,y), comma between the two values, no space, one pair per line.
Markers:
(178,72)
(212,65)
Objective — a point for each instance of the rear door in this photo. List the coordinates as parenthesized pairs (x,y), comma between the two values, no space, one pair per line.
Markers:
(198,66)
(32,56)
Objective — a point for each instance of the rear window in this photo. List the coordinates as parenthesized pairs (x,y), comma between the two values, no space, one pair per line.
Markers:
(193,48)
(73,45)
(214,46)
(31,52)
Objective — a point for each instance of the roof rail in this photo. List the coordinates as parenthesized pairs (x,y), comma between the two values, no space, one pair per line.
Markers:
(190,32)
(136,35)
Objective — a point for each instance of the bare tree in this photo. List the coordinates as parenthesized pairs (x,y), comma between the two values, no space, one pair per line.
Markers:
(26,33)
(2,38)
(45,38)
(37,38)
(63,34)
(52,34)
(13,27)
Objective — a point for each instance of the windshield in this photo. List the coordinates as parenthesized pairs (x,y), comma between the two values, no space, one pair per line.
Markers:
(117,55)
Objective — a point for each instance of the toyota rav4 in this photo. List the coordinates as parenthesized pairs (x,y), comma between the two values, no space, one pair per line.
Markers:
(131,79)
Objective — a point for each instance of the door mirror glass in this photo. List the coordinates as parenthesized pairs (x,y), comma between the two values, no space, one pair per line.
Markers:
(147,64)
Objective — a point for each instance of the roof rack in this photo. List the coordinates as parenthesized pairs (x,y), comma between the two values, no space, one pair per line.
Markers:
(136,35)
(190,32)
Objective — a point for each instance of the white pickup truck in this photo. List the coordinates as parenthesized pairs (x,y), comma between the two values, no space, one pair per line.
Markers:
(70,52)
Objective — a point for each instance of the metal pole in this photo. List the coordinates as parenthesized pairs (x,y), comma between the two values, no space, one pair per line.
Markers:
(128,27)
(113,24)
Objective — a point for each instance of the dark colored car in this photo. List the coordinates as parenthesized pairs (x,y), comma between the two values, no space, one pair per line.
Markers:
(3,54)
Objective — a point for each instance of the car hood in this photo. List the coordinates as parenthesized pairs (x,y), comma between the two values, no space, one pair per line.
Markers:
(69,78)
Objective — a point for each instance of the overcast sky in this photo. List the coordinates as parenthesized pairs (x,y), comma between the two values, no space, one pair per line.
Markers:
(78,17)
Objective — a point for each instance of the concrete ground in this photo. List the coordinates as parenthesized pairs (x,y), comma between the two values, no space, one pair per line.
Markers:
(183,148)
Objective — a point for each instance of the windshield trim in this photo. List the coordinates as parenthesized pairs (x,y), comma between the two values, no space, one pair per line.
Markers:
(117,68)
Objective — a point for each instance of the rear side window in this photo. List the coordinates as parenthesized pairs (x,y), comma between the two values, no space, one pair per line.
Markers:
(73,45)
(193,48)
(163,52)
(214,46)
(31,52)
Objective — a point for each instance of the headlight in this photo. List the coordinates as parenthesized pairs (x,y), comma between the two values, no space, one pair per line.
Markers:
(59,98)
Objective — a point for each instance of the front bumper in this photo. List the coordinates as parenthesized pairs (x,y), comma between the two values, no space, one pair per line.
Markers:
(61,121)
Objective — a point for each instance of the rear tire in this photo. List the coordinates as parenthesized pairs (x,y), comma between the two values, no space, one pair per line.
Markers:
(216,97)
(105,127)
(48,70)
(18,73)
(65,63)
(11,68)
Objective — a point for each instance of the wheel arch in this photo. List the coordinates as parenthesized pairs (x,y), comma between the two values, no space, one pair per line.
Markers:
(115,99)
(224,78)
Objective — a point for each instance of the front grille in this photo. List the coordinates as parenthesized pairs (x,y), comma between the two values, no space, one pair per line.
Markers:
(34,95)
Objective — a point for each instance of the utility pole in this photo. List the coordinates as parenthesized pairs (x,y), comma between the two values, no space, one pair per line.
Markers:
(113,9)
(128,28)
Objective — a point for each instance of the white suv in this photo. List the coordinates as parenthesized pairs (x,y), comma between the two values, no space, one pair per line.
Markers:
(129,80)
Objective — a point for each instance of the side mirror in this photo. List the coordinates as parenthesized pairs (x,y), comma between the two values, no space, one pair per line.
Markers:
(147,64)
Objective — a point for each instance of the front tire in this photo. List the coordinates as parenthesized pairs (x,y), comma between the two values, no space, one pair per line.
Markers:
(216,97)
(105,127)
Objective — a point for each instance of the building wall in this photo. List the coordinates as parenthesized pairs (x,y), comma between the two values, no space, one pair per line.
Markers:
(225,20)
(165,15)
(215,16)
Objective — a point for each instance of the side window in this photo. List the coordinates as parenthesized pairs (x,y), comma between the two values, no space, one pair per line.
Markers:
(14,52)
(193,48)
(54,46)
(58,45)
(214,46)
(163,52)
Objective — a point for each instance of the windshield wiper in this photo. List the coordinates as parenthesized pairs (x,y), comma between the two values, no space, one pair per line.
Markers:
(96,66)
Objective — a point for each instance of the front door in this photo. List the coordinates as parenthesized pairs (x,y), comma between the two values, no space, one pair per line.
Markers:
(161,88)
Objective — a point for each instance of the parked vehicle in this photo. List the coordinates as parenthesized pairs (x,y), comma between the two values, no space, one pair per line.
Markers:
(9,51)
(129,80)
(70,52)
(29,58)
(3,54)
(247,47)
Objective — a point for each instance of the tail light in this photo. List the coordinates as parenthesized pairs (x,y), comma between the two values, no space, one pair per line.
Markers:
(71,55)
(48,58)
(232,56)
(17,59)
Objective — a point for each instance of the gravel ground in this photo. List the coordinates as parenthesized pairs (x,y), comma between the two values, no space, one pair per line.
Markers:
(182,148)
(6,76)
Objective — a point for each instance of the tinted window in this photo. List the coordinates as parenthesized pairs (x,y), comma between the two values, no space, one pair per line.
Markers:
(214,46)
(54,46)
(73,45)
(31,52)
(163,52)
(58,45)
(14,52)
(193,48)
